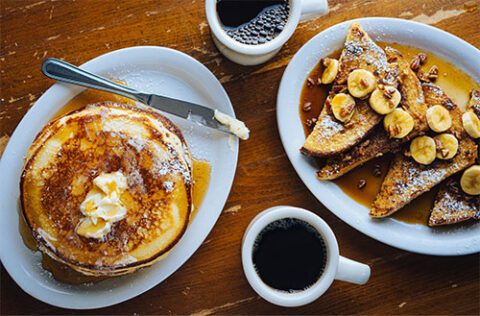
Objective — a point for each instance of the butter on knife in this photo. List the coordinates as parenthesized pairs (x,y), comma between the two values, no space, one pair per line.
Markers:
(235,126)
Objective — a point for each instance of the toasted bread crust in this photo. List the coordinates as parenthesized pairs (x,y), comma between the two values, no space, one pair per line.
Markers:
(407,179)
(452,205)
(330,137)
(379,142)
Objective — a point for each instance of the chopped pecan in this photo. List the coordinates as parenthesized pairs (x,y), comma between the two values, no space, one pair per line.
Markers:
(377,171)
(393,130)
(388,92)
(422,76)
(448,104)
(364,83)
(341,80)
(476,109)
(444,152)
(415,63)
(328,106)
(475,94)
(452,187)
(347,109)
(339,89)
(423,58)
(307,106)
(310,82)
(433,73)
(362,183)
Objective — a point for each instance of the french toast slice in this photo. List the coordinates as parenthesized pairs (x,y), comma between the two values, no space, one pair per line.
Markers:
(452,205)
(407,179)
(379,143)
(329,136)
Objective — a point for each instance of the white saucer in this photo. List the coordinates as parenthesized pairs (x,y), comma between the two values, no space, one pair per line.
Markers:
(151,69)
(451,241)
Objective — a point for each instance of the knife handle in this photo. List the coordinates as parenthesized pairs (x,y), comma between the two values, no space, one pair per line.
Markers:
(62,71)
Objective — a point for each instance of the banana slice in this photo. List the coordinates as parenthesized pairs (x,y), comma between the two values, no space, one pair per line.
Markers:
(343,107)
(447,146)
(471,123)
(361,82)
(384,101)
(399,123)
(470,181)
(331,70)
(438,118)
(423,150)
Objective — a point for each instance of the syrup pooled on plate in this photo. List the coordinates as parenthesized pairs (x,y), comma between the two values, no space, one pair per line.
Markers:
(456,84)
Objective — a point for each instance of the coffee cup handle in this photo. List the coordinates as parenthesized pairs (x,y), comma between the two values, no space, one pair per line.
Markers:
(313,8)
(352,271)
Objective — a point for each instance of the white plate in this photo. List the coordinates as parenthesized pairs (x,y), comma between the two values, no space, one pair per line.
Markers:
(417,238)
(152,69)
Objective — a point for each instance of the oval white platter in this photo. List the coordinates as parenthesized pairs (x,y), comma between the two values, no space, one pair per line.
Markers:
(460,240)
(150,69)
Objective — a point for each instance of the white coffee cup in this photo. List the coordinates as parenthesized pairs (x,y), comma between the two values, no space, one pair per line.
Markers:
(336,268)
(256,54)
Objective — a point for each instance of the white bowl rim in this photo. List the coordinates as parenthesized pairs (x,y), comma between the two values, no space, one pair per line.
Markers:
(332,202)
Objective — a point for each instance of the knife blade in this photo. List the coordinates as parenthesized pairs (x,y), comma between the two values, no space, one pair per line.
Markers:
(193,112)
(65,72)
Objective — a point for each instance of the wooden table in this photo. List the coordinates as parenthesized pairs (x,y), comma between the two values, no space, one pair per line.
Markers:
(212,281)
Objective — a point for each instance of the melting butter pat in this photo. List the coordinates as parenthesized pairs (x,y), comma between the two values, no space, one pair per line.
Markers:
(235,126)
(97,230)
(102,205)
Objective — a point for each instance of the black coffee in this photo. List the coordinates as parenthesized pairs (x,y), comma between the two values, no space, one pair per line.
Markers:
(253,22)
(289,255)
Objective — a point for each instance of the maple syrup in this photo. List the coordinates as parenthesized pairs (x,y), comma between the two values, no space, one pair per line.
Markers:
(456,84)
(201,179)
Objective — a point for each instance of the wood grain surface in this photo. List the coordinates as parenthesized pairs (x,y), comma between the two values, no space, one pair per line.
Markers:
(212,281)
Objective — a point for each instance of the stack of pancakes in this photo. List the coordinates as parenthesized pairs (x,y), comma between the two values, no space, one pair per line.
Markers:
(143,147)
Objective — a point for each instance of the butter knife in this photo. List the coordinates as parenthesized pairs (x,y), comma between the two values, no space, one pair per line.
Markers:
(62,71)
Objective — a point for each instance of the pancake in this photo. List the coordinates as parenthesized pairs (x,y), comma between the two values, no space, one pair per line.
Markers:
(107,189)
